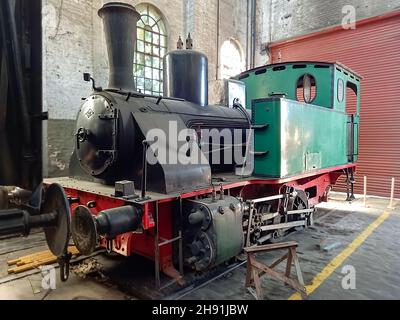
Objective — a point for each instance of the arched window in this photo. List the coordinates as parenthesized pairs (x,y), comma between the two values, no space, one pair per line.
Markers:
(231,59)
(151,47)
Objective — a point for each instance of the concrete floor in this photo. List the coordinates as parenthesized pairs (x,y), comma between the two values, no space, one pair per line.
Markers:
(375,261)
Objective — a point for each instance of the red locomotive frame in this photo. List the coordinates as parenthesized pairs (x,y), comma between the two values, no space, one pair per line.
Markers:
(155,239)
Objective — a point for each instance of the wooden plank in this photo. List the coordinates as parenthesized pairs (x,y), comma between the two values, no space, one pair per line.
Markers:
(33,265)
(289,264)
(279,261)
(273,265)
(298,272)
(271,247)
(257,284)
(279,276)
(248,272)
(13,277)
(35,260)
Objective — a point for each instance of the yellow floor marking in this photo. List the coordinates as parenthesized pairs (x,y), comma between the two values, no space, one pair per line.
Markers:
(339,259)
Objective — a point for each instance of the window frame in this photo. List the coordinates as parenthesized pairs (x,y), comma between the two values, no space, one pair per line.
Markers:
(302,77)
(148,73)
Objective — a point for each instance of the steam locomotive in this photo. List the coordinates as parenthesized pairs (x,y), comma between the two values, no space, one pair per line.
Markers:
(187,184)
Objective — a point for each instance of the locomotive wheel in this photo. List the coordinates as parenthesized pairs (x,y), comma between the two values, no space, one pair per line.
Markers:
(278,235)
(299,202)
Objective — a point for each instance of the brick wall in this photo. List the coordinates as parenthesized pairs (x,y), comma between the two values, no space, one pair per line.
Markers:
(67,53)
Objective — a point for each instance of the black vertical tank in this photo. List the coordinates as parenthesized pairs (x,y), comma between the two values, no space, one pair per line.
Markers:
(186,75)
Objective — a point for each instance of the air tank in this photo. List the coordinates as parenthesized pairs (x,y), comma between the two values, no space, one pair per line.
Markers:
(186,74)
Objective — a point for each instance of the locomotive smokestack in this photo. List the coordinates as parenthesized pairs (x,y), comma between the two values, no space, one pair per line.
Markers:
(119,21)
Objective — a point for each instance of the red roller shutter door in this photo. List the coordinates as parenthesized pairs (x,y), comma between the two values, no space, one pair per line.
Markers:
(372,50)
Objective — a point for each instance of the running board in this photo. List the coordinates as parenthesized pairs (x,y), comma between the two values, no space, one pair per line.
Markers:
(284,225)
(300,211)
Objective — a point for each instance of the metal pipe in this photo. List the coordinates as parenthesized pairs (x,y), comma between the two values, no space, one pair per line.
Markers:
(247,34)
(277,197)
(218,33)
(253,33)
(144,169)
(392,195)
(365,191)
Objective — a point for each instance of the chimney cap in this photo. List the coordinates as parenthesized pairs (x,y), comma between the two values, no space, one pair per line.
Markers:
(117,5)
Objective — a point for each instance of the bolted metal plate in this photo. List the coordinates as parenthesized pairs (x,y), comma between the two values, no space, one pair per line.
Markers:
(57,236)
(96,128)
(84,231)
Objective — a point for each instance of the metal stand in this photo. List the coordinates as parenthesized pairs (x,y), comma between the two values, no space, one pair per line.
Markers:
(256,269)
(143,197)
(350,185)
(168,270)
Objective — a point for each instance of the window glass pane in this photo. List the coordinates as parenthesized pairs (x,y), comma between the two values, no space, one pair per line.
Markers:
(154,15)
(139,71)
(140,34)
(148,73)
(156,63)
(140,46)
(147,36)
(145,19)
(152,21)
(156,85)
(156,51)
(232,62)
(148,61)
(163,41)
(156,74)
(140,58)
(156,39)
(140,23)
(156,29)
(147,48)
(148,84)
(140,83)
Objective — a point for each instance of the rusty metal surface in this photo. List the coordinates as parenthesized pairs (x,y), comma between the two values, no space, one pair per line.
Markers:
(372,49)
